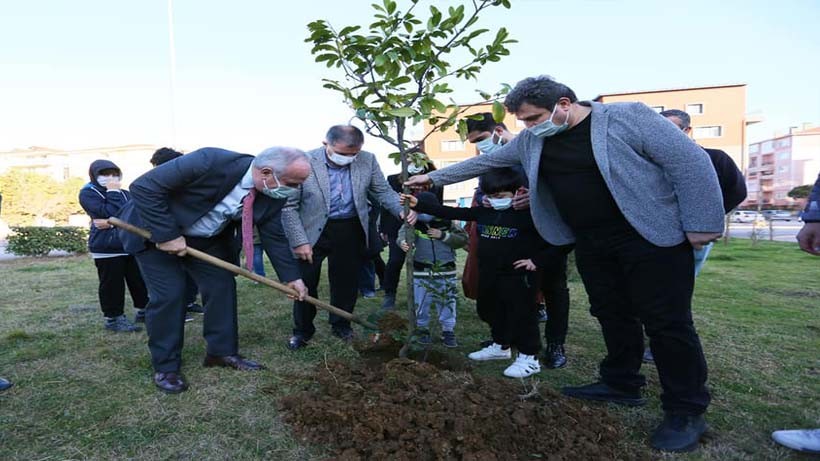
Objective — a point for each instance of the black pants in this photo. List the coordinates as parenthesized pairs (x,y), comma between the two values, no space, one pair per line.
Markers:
(191,290)
(114,273)
(378,264)
(342,243)
(395,263)
(507,303)
(556,297)
(629,282)
(165,275)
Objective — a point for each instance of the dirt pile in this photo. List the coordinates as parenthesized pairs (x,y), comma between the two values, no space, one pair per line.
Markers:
(407,410)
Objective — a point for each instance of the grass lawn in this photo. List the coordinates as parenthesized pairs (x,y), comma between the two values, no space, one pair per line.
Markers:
(83,393)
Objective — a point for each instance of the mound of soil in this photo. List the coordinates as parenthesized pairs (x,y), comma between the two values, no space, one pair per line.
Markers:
(409,410)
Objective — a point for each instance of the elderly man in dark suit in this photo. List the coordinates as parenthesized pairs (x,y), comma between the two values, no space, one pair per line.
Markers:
(197,200)
(328,218)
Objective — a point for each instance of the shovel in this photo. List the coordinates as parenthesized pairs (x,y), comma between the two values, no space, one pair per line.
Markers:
(201,255)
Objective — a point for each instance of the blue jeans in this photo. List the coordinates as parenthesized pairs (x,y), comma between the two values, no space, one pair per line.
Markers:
(258,263)
(439,291)
(700,257)
(367,278)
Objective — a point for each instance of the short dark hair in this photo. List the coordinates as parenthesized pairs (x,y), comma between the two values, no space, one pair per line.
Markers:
(487,123)
(542,91)
(684,118)
(501,180)
(164,154)
(347,135)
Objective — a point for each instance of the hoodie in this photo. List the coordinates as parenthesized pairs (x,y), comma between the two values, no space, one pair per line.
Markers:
(100,203)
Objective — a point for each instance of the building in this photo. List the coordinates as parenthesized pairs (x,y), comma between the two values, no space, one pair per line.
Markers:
(718,113)
(64,164)
(779,164)
(446,148)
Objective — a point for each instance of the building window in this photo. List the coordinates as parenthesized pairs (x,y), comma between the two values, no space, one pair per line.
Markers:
(701,132)
(783,169)
(783,156)
(767,146)
(694,109)
(657,109)
(754,148)
(452,146)
(752,162)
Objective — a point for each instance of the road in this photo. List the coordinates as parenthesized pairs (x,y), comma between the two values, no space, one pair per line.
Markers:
(783,231)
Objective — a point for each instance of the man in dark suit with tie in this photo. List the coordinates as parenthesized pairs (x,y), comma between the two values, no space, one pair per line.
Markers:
(197,200)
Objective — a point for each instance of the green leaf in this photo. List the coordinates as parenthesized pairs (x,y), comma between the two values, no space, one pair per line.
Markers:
(348,30)
(498,112)
(401,112)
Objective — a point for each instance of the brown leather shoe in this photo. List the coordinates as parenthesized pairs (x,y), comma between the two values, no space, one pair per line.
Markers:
(237,362)
(170,383)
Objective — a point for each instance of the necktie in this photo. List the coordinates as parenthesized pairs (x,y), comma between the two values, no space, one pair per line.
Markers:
(247,227)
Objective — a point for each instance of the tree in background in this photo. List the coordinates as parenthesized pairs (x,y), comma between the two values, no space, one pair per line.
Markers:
(395,72)
(28,196)
(800,191)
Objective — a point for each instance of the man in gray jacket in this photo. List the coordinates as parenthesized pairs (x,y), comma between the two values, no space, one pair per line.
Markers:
(635,194)
(328,218)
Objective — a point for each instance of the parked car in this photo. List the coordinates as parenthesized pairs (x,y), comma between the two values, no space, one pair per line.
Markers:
(743,216)
(779,215)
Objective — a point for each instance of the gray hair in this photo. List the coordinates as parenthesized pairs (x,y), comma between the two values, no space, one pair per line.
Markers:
(685,119)
(278,158)
(347,135)
(542,91)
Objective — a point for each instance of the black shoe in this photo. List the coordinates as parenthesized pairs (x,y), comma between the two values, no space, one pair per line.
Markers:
(195,308)
(297,342)
(603,393)
(139,317)
(542,313)
(170,383)
(345,334)
(5,384)
(678,433)
(648,357)
(554,356)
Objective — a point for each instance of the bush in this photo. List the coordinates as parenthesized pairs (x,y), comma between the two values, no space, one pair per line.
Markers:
(38,241)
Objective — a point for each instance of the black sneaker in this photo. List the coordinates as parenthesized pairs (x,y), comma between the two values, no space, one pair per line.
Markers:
(139,317)
(678,433)
(195,308)
(448,338)
(542,313)
(389,302)
(423,336)
(603,393)
(554,356)
(120,324)
(345,334)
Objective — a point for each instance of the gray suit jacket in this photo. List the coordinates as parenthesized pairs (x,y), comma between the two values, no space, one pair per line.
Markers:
(305,215)
(662,181)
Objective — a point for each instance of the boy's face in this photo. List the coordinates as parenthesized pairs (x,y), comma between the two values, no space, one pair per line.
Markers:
(501,195)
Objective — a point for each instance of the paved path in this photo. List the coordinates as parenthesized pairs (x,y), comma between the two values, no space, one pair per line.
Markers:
(783,231)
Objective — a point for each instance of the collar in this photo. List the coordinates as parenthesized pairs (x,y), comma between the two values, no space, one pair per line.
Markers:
(247,180)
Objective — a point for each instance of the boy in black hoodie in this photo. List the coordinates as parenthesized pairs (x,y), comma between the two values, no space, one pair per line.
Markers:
(102,198)
(509,252)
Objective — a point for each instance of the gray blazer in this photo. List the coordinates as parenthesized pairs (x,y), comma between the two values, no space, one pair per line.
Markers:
(304,216)
(662,181)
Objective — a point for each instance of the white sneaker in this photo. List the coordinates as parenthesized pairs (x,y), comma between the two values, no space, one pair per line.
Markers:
(491,352)
(524,365)
(805,440)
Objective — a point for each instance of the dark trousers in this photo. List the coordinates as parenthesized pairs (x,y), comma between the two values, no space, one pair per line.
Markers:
(114,273)
(191,290)
(507,303)
(165,275)
(632,282)
(342,243)
(395,263)
(556,298)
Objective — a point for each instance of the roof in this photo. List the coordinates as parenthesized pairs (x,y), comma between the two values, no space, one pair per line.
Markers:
(668,90)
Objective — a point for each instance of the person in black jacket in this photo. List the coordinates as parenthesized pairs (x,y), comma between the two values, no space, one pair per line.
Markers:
(198,200)
(509,252)
(102,198)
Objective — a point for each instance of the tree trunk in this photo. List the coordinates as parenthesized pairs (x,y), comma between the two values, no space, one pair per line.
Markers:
(409,237)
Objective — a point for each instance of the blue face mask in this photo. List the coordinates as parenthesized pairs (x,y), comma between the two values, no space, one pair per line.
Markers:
(280,191)
(489,145)
(500,203)
(548,128)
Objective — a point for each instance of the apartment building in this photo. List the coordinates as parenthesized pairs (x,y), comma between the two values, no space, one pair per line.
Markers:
(779,164)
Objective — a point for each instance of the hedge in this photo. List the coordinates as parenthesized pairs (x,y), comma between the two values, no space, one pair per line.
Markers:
(39,241)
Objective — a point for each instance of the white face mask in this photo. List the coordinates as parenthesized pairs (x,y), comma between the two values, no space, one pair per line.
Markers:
(413,169)
(104,180)
(500,203)
(341,160)
(491,144)
(548,128)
